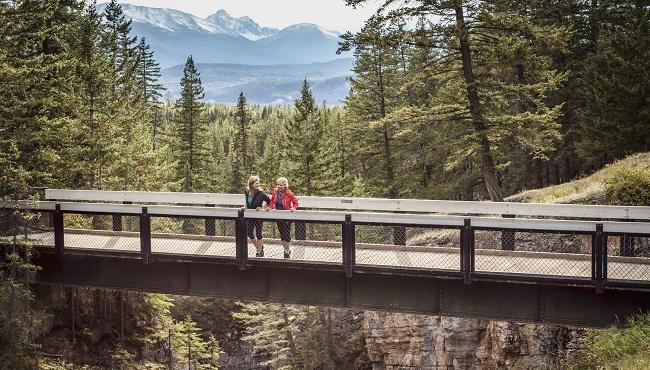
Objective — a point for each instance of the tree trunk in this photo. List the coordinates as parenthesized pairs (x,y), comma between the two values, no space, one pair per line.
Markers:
(487,161)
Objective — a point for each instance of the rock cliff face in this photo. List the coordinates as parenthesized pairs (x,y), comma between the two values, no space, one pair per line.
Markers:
(398,341)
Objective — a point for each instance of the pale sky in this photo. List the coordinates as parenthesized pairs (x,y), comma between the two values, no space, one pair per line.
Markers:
(329,14)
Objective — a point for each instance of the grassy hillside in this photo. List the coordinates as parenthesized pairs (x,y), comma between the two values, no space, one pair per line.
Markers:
(586,189)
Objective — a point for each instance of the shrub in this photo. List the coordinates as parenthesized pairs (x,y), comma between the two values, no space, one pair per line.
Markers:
(629,187)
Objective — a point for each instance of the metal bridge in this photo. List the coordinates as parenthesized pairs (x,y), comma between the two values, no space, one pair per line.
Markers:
(564,264)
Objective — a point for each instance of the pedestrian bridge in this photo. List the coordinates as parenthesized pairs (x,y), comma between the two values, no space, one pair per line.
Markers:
(564,264)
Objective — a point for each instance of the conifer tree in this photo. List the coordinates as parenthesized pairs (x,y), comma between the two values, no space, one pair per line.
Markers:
(97,148)
(241,156)
(372,98)
(150,89)
(36,68)
(191,350)
(303,139)
(615,92)
(484,104)
(191,132)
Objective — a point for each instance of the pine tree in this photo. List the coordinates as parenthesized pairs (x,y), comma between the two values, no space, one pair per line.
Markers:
(191,350)
(120,47)
(303,139)
(241,150)
(615,113)
(271,329)
(97,149)
(372,97)
(150,89)
(191,132)
(493,81)
(36,68)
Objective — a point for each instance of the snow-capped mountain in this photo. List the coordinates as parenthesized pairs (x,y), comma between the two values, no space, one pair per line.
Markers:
(236,54)
(222,38)
(168,19)
(243,26)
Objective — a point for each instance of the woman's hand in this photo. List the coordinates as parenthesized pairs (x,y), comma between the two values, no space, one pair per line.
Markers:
(291,209)
(258,208)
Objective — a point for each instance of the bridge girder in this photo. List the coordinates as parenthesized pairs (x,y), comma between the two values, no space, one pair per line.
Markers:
(276,282)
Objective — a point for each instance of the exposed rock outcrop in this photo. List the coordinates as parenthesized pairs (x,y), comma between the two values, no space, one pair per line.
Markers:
(398,341)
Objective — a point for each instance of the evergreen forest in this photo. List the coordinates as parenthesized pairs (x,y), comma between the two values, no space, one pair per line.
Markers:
(448,99)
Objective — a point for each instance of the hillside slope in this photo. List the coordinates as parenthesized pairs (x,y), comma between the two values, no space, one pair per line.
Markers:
(586,189)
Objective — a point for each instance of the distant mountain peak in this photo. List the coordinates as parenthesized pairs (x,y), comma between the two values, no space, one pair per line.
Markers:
(242,26)
(224,38)
(312,27)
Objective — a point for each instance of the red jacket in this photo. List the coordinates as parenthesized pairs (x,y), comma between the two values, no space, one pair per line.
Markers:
(289,200)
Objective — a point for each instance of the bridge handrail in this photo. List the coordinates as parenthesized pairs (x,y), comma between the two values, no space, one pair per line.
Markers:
(339,217)
(368,204)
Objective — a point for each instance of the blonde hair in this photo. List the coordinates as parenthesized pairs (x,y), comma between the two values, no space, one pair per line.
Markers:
(251,181)
(284,180)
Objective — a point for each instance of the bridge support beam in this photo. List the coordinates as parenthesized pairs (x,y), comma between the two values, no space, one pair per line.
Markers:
(271,282)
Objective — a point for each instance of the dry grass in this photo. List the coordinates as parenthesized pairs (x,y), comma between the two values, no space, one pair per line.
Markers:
(590,187)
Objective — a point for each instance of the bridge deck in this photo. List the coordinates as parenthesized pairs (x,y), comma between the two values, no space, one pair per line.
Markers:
(439,258)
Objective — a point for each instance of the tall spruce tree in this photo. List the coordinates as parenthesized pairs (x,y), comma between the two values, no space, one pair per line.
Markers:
(97,148)
(241,150)
(149,87)
(191,132)
(303,139)
(35,72)
(372,97)
(614,118)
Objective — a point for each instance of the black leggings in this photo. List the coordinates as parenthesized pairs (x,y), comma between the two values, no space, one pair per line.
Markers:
(255,225)
(284,227)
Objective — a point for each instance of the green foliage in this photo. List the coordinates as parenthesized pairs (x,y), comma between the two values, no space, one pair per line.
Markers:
(16,298)
(241,152)
(302,337)
(191,349)
(302,141)
(190,133)
(615,91)
(617,348)
(630,188)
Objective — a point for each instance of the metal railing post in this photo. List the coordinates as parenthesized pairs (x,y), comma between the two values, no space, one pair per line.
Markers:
(59,238)
(210,224)
(598,258)
(241,244)
(145,235)
(467,251)
(348,245)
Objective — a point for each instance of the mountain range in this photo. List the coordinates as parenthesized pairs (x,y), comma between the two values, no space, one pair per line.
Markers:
(236,54)
(222,38)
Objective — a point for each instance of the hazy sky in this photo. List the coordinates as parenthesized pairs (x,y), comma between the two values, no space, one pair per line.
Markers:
(330,14)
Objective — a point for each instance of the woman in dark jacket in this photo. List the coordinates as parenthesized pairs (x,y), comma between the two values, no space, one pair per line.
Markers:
(255,197)
(283,199)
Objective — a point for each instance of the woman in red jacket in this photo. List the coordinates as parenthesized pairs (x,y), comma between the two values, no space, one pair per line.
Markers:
(283,199)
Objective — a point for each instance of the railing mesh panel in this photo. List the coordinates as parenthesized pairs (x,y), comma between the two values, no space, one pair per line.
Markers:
(536,253)
(29,226)
(97,232)
(193,236)
(417,247)
(308,241)
(628,258)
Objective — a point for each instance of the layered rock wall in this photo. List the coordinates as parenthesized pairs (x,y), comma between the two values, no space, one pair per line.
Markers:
(398,341)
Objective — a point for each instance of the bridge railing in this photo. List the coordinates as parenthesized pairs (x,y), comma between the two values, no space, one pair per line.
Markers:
(606,253)
(351,204)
